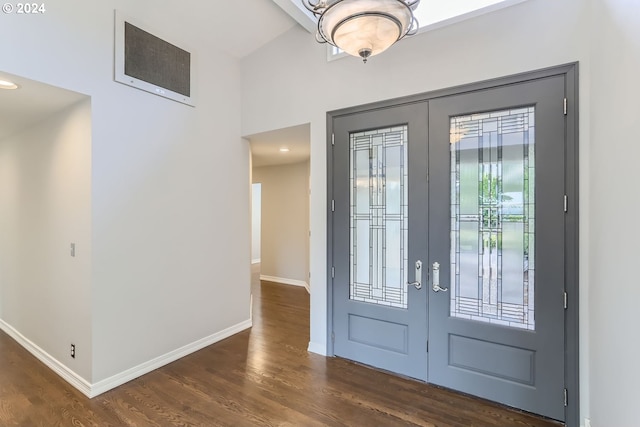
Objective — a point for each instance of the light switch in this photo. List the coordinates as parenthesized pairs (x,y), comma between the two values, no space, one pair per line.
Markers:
(73,249)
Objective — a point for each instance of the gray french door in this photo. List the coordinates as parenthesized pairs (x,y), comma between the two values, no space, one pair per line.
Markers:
(380,169)
(448,241)
(496,232)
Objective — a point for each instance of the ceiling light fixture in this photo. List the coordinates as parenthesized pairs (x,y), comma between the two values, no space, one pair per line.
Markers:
(363,28)
(6,84)
(284,150)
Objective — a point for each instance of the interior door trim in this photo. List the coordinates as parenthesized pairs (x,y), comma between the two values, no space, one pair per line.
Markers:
(570,73)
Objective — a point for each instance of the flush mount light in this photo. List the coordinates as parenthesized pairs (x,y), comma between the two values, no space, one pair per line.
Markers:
(363,28)
(284,150)
(6,84)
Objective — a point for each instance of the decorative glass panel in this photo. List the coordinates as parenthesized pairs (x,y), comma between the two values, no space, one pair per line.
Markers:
(378,255)
(493,217)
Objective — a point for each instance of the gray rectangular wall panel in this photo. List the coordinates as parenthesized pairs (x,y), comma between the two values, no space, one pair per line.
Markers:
(489,358)
(377,333)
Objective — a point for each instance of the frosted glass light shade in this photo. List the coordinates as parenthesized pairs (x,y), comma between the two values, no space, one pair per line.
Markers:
(365,27)
(371,32)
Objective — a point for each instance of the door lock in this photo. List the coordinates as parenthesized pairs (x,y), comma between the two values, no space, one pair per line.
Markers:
(436,279)
(418,282)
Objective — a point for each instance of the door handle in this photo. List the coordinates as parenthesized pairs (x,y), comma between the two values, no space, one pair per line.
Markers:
(418,282)
(436,279)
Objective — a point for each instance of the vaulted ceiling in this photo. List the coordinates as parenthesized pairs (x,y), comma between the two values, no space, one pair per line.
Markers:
(234,27)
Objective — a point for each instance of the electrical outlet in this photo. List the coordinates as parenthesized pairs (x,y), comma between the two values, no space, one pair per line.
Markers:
(587,422)
(73,351)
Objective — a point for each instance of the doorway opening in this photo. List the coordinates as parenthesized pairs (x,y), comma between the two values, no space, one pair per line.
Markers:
(45,220)
(280,172)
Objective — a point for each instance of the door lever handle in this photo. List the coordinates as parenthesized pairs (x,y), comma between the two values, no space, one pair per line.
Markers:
(436,279)
(418,282)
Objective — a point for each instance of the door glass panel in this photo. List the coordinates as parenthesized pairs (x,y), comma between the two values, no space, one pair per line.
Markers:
(493,216)
(378,221)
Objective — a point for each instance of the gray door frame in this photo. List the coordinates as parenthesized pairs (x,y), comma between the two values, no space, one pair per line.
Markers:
(570,74)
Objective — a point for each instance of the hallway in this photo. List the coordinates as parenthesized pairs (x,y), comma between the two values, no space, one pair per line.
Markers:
(260,377)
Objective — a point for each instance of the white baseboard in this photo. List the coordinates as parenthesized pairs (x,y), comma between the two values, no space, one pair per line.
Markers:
(255,261)
(93,390)
(317,348)
(144,368)
(51,362)
(292,282)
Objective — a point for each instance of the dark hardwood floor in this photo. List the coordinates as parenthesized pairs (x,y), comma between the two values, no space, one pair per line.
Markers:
(261,377)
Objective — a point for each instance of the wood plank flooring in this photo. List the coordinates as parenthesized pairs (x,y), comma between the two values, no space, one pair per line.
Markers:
(261,377)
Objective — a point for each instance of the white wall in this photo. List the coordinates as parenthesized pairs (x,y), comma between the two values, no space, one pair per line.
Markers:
(170,221)
(614,202)
(285,221)
(256,221)
(289,81)
(45,205)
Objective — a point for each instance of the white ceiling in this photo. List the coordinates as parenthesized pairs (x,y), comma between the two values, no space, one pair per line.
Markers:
(235,27)
(31,103)
(246,25)
(299,12)
(265,147)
